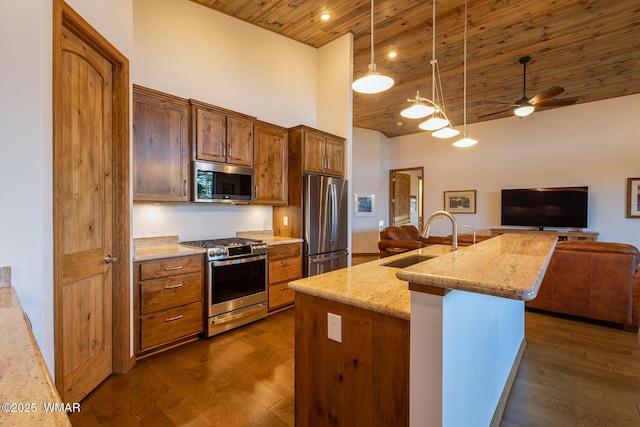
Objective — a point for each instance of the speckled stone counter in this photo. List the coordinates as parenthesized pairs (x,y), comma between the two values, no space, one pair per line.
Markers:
(149,248)
(508,266)
(371,286)
(25,384)
(268,237)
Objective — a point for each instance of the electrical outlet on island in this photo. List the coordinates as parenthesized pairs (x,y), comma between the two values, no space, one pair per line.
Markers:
(334,327)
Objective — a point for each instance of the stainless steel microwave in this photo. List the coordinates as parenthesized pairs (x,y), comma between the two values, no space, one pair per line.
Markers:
(214,182)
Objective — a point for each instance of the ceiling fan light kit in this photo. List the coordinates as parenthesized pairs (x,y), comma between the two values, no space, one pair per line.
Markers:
(525,106)
(372,82)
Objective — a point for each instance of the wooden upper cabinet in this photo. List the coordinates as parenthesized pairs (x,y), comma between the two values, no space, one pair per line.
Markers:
(323,152)
(270,164)
(161,151)
(221,136)
(334,153)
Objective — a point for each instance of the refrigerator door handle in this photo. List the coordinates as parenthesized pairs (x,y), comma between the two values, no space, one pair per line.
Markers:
(334,214)
(324,258)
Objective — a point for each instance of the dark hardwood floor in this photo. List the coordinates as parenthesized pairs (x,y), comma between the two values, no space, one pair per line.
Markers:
(573,373)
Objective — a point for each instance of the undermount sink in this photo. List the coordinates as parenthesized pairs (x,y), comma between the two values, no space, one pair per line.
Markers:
(407,261)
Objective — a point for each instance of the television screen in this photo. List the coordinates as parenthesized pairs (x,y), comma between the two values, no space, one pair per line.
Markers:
(545,207)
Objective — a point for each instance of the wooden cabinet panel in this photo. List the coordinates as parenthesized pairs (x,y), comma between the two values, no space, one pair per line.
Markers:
(314,153)
(285,269)
(170,267)
(284,251)
(334,153)
(285,265)
(161,151)
(168,325)
(240,141)
(162,294)
(280,295)
(168,303)
(210,135)
(270,164)
(220,135)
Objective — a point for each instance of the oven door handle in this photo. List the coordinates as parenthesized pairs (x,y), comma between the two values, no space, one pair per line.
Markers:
(248,258)
(232,317)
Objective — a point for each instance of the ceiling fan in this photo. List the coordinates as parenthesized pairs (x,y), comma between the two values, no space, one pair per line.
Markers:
(525,106)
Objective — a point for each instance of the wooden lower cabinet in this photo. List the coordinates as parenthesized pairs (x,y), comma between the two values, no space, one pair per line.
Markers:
(285,265)
(168,303)
(361,381)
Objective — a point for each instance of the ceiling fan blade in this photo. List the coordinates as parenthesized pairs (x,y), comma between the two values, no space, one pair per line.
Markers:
(494,114)
(547,94)
(557,102)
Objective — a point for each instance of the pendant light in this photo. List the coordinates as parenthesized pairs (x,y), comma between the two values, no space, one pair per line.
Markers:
(438,123)
(372,82)
(466,141)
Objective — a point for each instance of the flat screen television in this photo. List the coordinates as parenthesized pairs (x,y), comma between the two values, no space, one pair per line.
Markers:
(545,207)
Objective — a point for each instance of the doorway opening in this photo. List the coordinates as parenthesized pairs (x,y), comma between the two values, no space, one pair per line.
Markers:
(406,196)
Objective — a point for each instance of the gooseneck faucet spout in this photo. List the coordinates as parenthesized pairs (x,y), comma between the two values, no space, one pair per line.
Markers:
(454,227)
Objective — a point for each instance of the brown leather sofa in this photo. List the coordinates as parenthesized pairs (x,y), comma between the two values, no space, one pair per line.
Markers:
(394,240)
(595,280)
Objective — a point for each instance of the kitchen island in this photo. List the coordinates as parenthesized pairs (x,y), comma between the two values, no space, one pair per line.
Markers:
(464,318)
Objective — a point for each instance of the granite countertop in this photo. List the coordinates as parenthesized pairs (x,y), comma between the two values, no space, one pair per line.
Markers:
(268,237)
(150,248)
(24,379)
(371,286)
(508,266)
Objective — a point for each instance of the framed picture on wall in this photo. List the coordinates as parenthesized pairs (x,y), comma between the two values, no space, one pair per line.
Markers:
(633,198)
(462,202)
(365,205)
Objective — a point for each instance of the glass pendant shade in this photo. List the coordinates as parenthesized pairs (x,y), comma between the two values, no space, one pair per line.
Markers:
(372,82)
(434,123)
(465,142)
(446,132)
(417,111)
(524,110)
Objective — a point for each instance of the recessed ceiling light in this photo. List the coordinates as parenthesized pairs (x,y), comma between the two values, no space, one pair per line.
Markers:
(392,54)
(325,16)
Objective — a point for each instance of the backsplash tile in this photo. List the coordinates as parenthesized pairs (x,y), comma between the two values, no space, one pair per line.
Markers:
(5,277)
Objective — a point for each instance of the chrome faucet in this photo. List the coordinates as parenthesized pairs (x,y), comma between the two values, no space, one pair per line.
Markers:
(454,227)
(472,230)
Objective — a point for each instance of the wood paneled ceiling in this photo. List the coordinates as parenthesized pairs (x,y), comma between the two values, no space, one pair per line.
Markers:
(589,47)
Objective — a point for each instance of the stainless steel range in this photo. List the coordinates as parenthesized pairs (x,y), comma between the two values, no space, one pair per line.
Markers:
(235,282)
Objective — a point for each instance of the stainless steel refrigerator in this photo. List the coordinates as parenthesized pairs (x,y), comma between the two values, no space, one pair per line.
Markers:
(325,211)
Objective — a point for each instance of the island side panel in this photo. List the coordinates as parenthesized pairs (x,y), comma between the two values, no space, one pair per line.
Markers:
(362,381)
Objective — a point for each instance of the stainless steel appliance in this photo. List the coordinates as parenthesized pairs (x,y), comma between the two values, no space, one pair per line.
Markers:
(325,224)
(235,282)
(215,182)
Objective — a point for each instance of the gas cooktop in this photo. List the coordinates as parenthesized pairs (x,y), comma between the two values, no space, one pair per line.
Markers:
(232,247)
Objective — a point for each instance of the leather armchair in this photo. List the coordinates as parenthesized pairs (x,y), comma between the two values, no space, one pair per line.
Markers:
(404,238)
(595,280)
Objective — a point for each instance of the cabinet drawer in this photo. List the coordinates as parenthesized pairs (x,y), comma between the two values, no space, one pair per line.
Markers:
(168,292)
(168,325)
(170,267)
(285,269)
(284,251)
(280,294)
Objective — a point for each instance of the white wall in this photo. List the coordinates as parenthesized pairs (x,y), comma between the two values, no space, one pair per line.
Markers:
(190,51)
(26,213)
(370,176)
(560,147)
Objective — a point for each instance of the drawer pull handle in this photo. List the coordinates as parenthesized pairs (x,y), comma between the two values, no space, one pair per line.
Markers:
(285,264)
(179,285)
(284,289)
(180,267)
(285,252)
(172,319)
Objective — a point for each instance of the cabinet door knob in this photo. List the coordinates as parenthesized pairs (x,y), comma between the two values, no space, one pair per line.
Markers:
(109,259)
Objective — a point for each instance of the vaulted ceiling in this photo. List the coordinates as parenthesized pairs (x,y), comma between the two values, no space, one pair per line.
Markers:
(591,48)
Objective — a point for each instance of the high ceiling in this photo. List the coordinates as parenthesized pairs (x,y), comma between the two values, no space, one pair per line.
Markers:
(591,48)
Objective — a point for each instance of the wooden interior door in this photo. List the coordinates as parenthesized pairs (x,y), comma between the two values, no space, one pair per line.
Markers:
(91,206)
(401,199)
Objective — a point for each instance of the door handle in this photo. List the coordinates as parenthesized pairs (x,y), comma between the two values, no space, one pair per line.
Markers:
(109,259)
